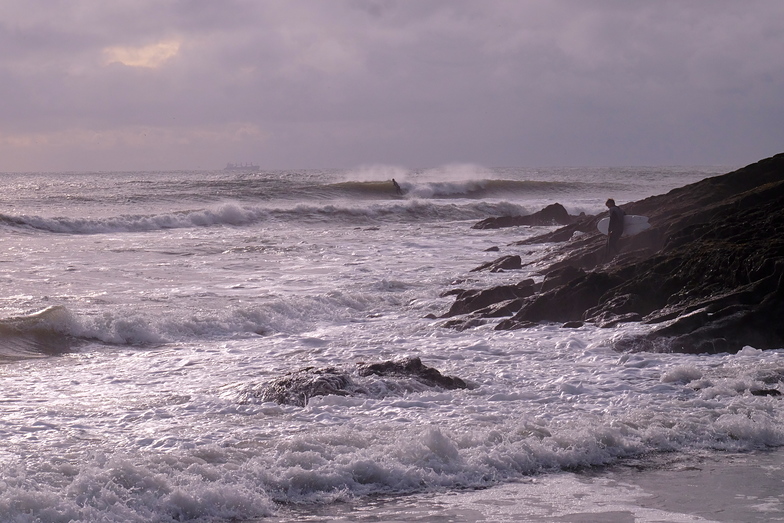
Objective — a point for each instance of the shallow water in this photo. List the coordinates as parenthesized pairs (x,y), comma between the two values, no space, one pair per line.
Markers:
(699,488)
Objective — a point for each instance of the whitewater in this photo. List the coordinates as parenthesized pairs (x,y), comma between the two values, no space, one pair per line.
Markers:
(141,312)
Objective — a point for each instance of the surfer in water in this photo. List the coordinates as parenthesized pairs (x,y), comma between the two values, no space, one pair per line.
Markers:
(397,187)
(615,230)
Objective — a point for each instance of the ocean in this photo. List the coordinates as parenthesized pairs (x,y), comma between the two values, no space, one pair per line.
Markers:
(142,313)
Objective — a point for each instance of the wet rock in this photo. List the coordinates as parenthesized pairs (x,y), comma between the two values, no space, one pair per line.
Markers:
(413,368)
(509,262)
(710,269)
(554,214)
(765,392)
(501,309)
(561,276)
(473,300)
(297,388)
(461,324)
(611,320)
(567,302)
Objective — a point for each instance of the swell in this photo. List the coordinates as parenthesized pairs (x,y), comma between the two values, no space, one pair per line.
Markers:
(236,215)
(472,189)
(37,335)
(227,214)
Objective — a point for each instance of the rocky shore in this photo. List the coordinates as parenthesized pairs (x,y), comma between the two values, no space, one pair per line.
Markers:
(709,273)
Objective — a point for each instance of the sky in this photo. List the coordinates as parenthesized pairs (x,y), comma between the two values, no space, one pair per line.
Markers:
(94,85)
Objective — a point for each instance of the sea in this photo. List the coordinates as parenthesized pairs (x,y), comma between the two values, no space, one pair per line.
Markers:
(142,312)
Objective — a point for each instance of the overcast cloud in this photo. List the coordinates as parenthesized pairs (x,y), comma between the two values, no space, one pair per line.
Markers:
(193,84)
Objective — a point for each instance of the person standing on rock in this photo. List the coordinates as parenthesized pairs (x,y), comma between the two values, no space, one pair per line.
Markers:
(615,230)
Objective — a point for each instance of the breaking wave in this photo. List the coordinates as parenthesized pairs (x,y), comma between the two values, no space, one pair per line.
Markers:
(470,189)
(227,214)
(57,330)
(37,335)
(233,214)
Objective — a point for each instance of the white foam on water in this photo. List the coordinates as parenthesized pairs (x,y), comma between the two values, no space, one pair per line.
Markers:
(148,415)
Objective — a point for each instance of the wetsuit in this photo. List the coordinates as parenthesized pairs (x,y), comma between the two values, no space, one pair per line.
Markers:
(615,230)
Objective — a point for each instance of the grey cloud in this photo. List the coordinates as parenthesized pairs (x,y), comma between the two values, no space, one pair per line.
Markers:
(414,83)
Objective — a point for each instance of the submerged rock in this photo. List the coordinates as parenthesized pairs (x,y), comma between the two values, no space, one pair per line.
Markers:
(412,368)
(297,388)
(554,214)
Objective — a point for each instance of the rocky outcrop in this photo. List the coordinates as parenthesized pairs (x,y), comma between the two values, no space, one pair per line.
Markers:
(474,300)
(554,214)
(412,368)
(297,388)
(501,264)
(709,271)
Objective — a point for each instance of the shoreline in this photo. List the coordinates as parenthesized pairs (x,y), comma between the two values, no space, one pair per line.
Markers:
(720,488)
(708,273)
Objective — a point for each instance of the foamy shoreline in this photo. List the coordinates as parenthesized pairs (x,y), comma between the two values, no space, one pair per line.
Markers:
(736,487)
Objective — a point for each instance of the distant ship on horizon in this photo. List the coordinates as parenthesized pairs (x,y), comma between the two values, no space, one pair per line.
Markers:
(241,167)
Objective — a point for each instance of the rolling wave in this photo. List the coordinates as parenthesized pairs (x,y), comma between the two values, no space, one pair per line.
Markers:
(472,189)
(38,335)
(227,214)
(233,214)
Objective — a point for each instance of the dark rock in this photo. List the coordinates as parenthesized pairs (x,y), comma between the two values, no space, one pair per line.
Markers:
(501,309)
(765,392)
(607,320)
(510,262)
(616,306)
(567,302)
(412,368)
(554,214)
(461,324)
(561,276)
(710,269)
(452,292)
(493,249)
(511,325)
(474,300)
(298,387)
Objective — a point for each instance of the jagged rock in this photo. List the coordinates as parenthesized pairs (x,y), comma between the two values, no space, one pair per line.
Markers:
(413,368)
(561,276)
(452,292)
(473,300)
(511,262)
(710,269)
(501,309)
(567,302)
(607,320)
(554,214)
(298,387)
(461,324)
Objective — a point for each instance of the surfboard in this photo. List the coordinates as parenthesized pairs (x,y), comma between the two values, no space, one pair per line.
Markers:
(632,224)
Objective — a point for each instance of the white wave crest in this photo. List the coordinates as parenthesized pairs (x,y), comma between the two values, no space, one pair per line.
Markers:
(226,214)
